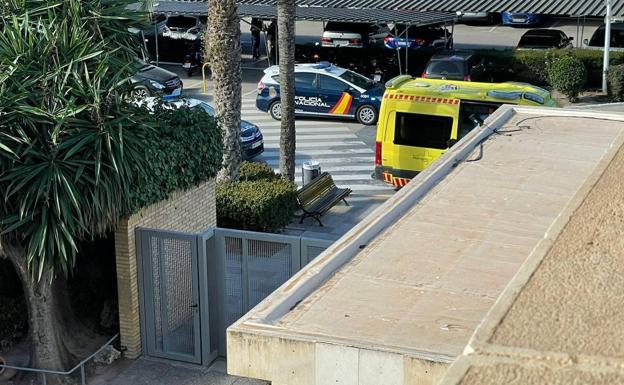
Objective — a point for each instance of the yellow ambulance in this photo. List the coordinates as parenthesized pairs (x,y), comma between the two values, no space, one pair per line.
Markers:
(420,119)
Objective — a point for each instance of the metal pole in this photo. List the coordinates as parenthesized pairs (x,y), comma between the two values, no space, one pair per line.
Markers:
(578,27)
(82,375)
(407,49)
(607,47)
(156,40)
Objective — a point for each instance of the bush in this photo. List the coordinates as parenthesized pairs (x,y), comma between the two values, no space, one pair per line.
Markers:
(615,80)
(250,171)
(568,75)
(259,205)
(531,66)
(183,149)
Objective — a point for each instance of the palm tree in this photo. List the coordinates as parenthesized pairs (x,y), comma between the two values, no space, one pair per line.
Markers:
(68,147)
(223,52)
(286,44)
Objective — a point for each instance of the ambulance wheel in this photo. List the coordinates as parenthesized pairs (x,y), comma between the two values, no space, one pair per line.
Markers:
(366,115)
(276,110)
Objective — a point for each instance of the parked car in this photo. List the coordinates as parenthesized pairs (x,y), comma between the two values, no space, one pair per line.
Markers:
(323,90)
(458,65)
(252,142)
(544,39)
(353,35)
(184,27)
(477,17)
(521,18)
(617,37)
(151,81)
(435,37)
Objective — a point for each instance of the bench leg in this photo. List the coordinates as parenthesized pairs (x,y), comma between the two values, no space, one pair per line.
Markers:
(318,219)
(346,203)
(304,216)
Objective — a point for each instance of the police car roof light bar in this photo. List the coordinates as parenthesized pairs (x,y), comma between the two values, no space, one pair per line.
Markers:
(323,65)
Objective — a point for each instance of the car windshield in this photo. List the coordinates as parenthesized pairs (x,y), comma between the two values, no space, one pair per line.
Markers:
(344,27)
(617,37)
(357,80)
(538,41)
(445,67)
(181,22)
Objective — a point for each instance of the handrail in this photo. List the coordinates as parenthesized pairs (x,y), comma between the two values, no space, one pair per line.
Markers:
(80,365)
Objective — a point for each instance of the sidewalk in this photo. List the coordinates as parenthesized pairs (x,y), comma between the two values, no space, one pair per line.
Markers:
(148,371)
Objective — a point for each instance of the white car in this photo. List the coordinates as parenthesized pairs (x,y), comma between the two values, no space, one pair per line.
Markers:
(353,35)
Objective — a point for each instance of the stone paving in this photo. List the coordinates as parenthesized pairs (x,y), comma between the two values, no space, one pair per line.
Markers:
(148,371)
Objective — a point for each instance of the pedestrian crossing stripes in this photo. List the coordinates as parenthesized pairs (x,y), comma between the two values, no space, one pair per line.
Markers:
(332,143)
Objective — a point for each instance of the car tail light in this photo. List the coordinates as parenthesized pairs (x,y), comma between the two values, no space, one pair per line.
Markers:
(261,87)
(467,78)
(326,39)
(355,41)
(424,75)
(377,153)
(420,42)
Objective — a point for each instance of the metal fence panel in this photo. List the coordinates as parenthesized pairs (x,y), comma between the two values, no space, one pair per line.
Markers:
(171,294)
(311,248)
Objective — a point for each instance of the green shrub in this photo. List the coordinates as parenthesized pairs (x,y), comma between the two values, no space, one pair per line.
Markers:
(259,205)
(567,74)
(615,81)
(531,66)
(183,149)
(250,171)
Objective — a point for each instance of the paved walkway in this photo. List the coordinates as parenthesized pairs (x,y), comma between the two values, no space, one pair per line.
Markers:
(147,371)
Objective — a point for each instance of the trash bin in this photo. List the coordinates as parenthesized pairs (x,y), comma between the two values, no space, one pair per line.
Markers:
(309,171)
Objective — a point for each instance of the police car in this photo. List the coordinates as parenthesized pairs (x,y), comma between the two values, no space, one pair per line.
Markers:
(323,89)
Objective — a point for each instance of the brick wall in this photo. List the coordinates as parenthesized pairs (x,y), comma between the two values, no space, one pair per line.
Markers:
(186,211)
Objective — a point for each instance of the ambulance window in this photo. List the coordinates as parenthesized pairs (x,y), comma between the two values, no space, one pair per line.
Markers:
(418,130)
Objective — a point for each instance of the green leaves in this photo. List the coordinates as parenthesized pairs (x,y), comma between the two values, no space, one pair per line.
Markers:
(70,145)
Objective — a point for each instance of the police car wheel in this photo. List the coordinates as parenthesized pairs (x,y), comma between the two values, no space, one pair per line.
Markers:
(276,110)
(367,115)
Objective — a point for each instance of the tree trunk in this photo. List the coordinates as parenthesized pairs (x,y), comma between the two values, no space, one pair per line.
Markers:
(223,52)
(48,315)
(286,45)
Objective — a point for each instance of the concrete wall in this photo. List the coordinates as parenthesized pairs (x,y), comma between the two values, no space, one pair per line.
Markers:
(291,362)
(191,211)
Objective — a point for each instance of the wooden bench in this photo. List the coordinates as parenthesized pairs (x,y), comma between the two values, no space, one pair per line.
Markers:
(320,195)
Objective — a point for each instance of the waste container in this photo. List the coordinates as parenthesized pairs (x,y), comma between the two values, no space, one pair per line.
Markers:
(309,171)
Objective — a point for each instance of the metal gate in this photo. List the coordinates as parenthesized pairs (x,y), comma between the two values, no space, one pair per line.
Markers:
(170,294)
(193,286)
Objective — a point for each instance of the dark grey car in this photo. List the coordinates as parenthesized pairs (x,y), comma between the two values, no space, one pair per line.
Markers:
(155,81)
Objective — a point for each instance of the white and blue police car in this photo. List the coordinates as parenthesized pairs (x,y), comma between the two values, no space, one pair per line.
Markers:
(323,90)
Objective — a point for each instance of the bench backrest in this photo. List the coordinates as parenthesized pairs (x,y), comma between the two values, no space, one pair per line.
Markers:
(315,190)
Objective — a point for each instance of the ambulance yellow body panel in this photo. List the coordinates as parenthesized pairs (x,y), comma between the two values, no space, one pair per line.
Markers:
(420,119)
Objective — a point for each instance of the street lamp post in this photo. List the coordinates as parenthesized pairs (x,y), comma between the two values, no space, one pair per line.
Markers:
(607,47)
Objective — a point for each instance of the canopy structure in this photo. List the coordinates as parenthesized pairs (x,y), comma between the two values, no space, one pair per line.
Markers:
(553,7)
(317,13)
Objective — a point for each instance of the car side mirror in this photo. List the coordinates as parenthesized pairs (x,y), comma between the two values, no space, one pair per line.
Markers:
(586,41)
(451,142)
(570,38)
(377,78)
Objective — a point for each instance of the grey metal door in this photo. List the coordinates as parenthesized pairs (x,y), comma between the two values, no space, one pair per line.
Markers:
(251,266)
(170,294)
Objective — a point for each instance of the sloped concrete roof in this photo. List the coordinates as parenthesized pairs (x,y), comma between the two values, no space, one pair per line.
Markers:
(560,320)
(419,284)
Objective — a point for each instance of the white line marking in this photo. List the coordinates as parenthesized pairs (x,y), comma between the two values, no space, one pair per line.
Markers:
(307,153)
(326,145)
(276,138)
(325,161)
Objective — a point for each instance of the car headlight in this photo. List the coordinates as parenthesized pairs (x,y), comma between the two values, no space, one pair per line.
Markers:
(156,85)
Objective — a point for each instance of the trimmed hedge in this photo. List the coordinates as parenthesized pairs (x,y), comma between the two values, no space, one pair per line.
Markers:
(259,205)
(616,83)
(183,149)
(250,171)
(531,66)
(567,74)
